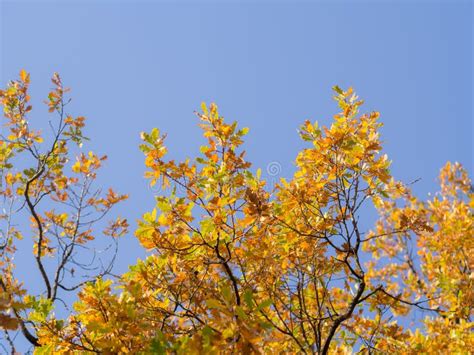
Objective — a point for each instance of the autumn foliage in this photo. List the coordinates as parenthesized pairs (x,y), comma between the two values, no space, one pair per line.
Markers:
(236,265)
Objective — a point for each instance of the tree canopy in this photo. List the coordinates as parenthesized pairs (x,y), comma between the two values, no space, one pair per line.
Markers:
(235,264)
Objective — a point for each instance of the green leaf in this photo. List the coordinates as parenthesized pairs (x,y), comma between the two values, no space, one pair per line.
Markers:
(207,227)
(214,304)
(265,304)
(226,293)
(248,298)
(240,312)
(338,89)
(45,350)
(41,310)
(244,131)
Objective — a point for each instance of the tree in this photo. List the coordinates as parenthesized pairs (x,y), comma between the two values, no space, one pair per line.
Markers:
(236,265)
(61,207)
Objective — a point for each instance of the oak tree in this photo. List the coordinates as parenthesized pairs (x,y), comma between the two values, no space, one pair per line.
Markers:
(49,197)
(236,264)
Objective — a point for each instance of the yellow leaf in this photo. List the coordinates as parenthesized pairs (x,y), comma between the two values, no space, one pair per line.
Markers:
(24,76)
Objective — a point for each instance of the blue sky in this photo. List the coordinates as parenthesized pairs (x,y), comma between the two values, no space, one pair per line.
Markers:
(270,65)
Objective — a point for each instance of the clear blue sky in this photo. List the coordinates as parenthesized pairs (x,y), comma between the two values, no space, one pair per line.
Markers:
(137,65)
